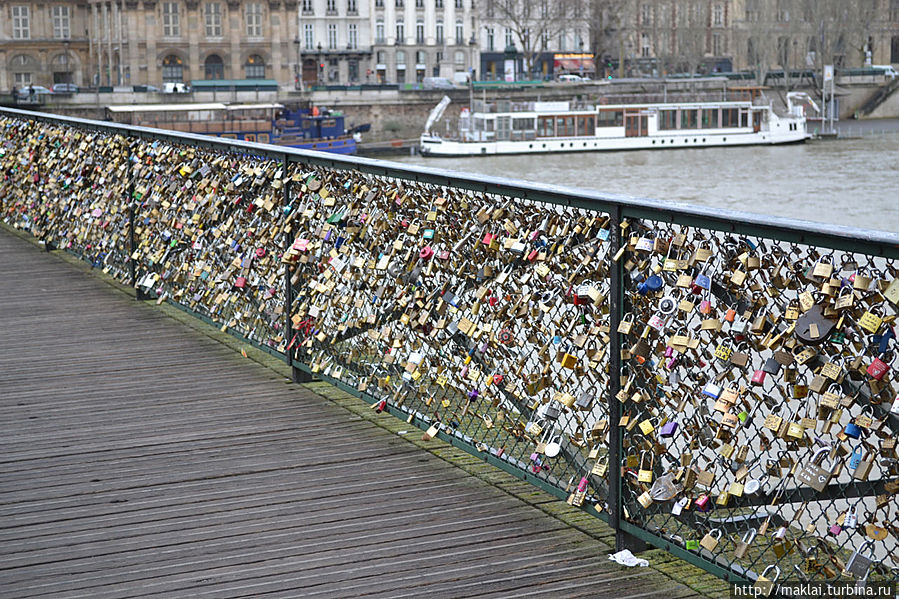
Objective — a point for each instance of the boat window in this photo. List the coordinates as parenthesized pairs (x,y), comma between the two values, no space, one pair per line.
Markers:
(744,117)
(610,118)
(546,126)
(688,119)
(729,117)
(668,119)
(523,124)
(250,136)
(710,118)
(263,138)
(589,125)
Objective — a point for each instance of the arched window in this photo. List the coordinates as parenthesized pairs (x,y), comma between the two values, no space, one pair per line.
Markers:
(172,69)
(254,67)
(214,67)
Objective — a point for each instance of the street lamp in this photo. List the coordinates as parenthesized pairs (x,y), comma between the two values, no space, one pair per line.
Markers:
(580,43)
(321,65)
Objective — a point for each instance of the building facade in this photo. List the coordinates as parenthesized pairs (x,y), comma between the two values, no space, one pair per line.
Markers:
(414,39)
(144,42)
(130,42)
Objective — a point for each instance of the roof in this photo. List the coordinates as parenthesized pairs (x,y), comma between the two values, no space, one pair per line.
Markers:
(188,107)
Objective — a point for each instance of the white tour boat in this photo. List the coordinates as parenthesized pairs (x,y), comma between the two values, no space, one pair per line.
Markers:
(505,127)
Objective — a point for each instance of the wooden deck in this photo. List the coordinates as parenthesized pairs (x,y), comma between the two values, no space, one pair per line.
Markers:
(142,458)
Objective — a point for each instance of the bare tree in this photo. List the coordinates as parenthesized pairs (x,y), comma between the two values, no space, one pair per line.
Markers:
(606,23)
(534,24)
(691,20)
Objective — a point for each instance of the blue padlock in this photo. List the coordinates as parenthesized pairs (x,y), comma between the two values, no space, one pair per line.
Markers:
(650,285)
(853,430)
(856,458)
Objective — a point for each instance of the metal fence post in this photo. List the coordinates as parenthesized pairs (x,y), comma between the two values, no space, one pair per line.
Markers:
(298,375)
(623,540)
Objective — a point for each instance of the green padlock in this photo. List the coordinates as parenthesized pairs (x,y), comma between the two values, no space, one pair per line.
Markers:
(692,545)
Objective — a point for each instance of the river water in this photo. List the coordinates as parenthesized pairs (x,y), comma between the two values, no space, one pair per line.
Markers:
(851,181)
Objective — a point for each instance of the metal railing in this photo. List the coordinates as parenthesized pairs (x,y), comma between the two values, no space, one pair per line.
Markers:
(715,383)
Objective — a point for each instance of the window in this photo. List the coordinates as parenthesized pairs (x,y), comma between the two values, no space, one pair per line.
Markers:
(22,67)
(894,14)
(351,9)
(509,41)
(688,119)
(379,31)
(491,11)
(352,36)
(646,15)
(22,79)
(331,7)
(307,7)
(438,3)
(419,3)
(400,32)
(709,118)
(254,19)
(439,32)
(214,68)
(490,42)
(645,51)
(379,3)
(254,68)
(459,59)
(460,37)
(21,22)
(716,44)
(213,14)
(610,118)
(459,4)
(546,126)
(60,16)
(171,19)
(420,58)
(399,3)
(718,15)
(400,66)
(420,32)
(332,36)
(667,119)
(172,69)
(308,37)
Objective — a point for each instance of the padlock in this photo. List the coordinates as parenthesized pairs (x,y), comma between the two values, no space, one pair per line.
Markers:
(711,539)
(871,320)
(771,366)
(712,390)
(679,506)
(758,377)
(668,429)
(745,542)
(859,563)
(856,457)
(863,467)
(813,474)
(703,503)
(764,585)
(878,368)
(644,474)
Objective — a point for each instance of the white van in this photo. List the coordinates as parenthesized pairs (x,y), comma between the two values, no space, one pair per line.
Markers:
(886,69)
(175,88)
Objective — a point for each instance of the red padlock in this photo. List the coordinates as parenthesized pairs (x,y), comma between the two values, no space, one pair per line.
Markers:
(426,252)
(703,503)
(758,377)
(878,369)
(241,282)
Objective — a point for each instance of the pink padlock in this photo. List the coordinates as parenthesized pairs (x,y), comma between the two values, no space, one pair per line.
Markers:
(878,369)
(758,377)
(703,503)
(835,529)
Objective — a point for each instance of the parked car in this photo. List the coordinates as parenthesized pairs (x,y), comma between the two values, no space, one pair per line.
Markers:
(571,78)
(38,90)
(65,88)
(437,83)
